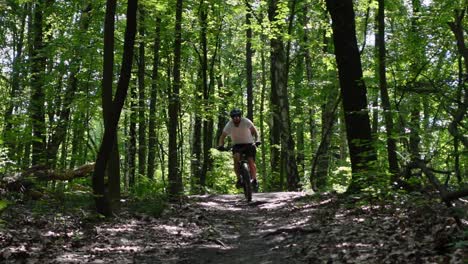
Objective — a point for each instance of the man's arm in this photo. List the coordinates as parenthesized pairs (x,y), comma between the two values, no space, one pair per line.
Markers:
(221,139)
(254,132)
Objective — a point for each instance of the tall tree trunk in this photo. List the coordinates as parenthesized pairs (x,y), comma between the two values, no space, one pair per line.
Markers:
(353,92)
(78,128)
(208,125)
(322,157)
(223,94)
(321,161)
(281,127)
(204,85)
(248,61)
(132,138)
(277,79)
(196,162)
(37,106)
(391,142)
(141,95)
(415,69)
(266,180)
(103,201)
(9,136)
(175,178)
(457,28)
(152,141)
(63,116)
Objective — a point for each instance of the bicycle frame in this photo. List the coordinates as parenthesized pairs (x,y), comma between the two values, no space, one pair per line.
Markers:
(244,172)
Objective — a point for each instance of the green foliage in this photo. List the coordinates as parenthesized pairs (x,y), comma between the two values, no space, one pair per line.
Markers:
(153,206)
(145,188)
(461,241)
(3,205)
(222,179)
(4,160)
(340,178)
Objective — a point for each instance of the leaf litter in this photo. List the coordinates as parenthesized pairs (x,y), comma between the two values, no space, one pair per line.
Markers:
(274,228)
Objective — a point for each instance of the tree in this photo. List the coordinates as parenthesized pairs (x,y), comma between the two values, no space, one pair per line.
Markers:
(141,94)
(283,158)
(152,137)
(391,142)
(353,92)
(175,179)
(103,203)
(37,107)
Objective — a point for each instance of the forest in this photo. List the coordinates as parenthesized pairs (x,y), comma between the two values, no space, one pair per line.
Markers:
(111,111)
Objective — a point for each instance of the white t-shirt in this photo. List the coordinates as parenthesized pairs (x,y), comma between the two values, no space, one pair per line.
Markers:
(240,134)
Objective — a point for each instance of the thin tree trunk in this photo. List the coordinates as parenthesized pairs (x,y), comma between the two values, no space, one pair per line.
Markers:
(391,142)
(322,160)
(132,138)
(153,99)
(8,131)
(277,69)
(266,180)
(457,29)
(37,106)
(289,152)
(248,61)
(175,178)
(415,107)
(141,95)
(63,116)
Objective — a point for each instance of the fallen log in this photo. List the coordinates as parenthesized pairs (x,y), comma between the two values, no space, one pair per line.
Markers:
(24,180)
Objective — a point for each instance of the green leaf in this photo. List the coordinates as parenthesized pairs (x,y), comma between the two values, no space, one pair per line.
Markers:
(3,205)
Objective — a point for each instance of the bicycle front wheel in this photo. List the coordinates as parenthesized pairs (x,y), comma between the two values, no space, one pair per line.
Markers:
(246,182)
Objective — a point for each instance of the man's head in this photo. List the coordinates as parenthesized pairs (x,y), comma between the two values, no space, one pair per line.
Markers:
(236,115)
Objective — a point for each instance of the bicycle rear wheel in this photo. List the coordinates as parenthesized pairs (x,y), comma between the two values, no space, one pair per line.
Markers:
(246,182)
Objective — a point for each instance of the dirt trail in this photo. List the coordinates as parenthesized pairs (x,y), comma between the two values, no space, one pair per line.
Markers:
(237,232)
(276,228)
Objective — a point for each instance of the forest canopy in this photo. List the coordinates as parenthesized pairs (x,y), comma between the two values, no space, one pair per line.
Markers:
(346,95)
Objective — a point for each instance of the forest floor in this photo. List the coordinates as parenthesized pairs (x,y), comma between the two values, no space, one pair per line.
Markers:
(275,228)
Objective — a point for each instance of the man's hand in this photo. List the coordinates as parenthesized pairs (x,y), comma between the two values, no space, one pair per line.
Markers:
(258,143)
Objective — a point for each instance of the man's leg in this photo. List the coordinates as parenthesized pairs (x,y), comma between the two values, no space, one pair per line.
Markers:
(236,158)
(253,168)
(253,173)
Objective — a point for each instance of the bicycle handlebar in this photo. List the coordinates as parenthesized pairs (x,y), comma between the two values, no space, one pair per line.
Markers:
(222,148)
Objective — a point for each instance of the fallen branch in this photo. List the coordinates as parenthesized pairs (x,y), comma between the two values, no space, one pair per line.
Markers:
(446,196)
(22,180)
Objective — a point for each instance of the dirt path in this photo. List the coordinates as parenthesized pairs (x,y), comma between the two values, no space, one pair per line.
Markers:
(237,232)
(274,228)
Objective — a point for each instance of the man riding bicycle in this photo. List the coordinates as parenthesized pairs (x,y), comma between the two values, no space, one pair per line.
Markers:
(244,135)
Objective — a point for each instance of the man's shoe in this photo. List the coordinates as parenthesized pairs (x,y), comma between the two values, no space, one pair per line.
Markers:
(255,184)
(239,184)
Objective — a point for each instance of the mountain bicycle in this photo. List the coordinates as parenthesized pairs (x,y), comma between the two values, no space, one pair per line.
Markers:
(244,172)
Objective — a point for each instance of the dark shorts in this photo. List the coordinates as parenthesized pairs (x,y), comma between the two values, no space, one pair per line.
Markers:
(249,149)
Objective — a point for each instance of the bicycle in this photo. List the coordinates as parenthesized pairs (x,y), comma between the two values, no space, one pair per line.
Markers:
(244,171)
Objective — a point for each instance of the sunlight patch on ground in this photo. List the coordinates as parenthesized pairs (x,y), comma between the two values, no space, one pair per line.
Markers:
(71,258)
(218,206)
(121,229)
(360,245)
(359,219)
(173,230)
(272,206)
(118,249)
